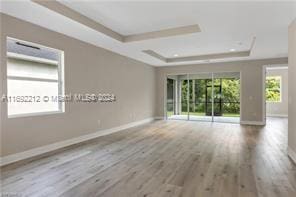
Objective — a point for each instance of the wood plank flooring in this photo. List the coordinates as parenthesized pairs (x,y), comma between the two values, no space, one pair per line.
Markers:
(164,159)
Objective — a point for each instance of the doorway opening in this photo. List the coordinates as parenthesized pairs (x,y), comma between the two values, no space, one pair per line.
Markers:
(276,91)
(204,97)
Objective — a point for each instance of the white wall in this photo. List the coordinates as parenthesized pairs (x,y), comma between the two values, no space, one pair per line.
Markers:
(88,69)
(292,91)
(279,109)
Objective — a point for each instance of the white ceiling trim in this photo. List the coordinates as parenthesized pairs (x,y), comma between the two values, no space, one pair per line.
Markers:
(72,14)
(65,11)
(202,57)
(163,33)
(198,57)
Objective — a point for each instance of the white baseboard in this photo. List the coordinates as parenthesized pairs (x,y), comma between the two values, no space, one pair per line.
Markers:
(58,145)
(292,154)
(259,123)
(277,115)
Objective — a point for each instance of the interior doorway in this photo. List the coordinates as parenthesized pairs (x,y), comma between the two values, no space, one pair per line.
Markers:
(276,91)
(204,97)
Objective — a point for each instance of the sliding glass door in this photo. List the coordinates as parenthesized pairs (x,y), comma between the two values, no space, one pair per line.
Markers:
(183,80)
(200,91)
(177,97)
(204,97)
(171,102)
(227,97)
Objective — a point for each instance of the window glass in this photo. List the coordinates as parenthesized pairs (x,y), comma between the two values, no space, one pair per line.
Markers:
(33,78)
(273,89)
(36,102)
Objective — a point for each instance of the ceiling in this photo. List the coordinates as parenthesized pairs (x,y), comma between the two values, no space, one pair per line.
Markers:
(224,26)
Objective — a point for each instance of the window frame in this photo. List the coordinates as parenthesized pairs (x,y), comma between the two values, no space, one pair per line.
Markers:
(280,78)
(60,80)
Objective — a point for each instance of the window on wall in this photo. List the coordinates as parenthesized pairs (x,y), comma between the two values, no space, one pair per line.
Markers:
(273,89)
(34,78)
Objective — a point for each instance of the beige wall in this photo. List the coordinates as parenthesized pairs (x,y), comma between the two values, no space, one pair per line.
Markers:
(88,69)
(279,109)
(292,89)
(251,83)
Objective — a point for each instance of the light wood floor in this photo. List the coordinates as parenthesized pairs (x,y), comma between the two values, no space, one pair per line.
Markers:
(165,158)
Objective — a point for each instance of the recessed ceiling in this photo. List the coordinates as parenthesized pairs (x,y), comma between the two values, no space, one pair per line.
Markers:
(224,26)
(213,56)
(70,13)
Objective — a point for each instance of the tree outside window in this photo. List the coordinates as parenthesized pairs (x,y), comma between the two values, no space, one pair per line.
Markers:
(273,89)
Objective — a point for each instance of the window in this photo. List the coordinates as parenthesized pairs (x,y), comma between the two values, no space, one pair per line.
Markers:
(34,78)
(273,89)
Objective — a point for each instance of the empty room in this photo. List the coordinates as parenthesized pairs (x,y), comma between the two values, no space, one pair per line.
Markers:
(147,98)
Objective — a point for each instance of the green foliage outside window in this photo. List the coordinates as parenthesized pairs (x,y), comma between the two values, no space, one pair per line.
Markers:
(230,96)
(273,89)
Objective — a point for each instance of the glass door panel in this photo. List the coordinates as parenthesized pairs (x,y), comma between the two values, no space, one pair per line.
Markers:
(171,100)
(227,97)
(184,96)
(177,93)
(200,99)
